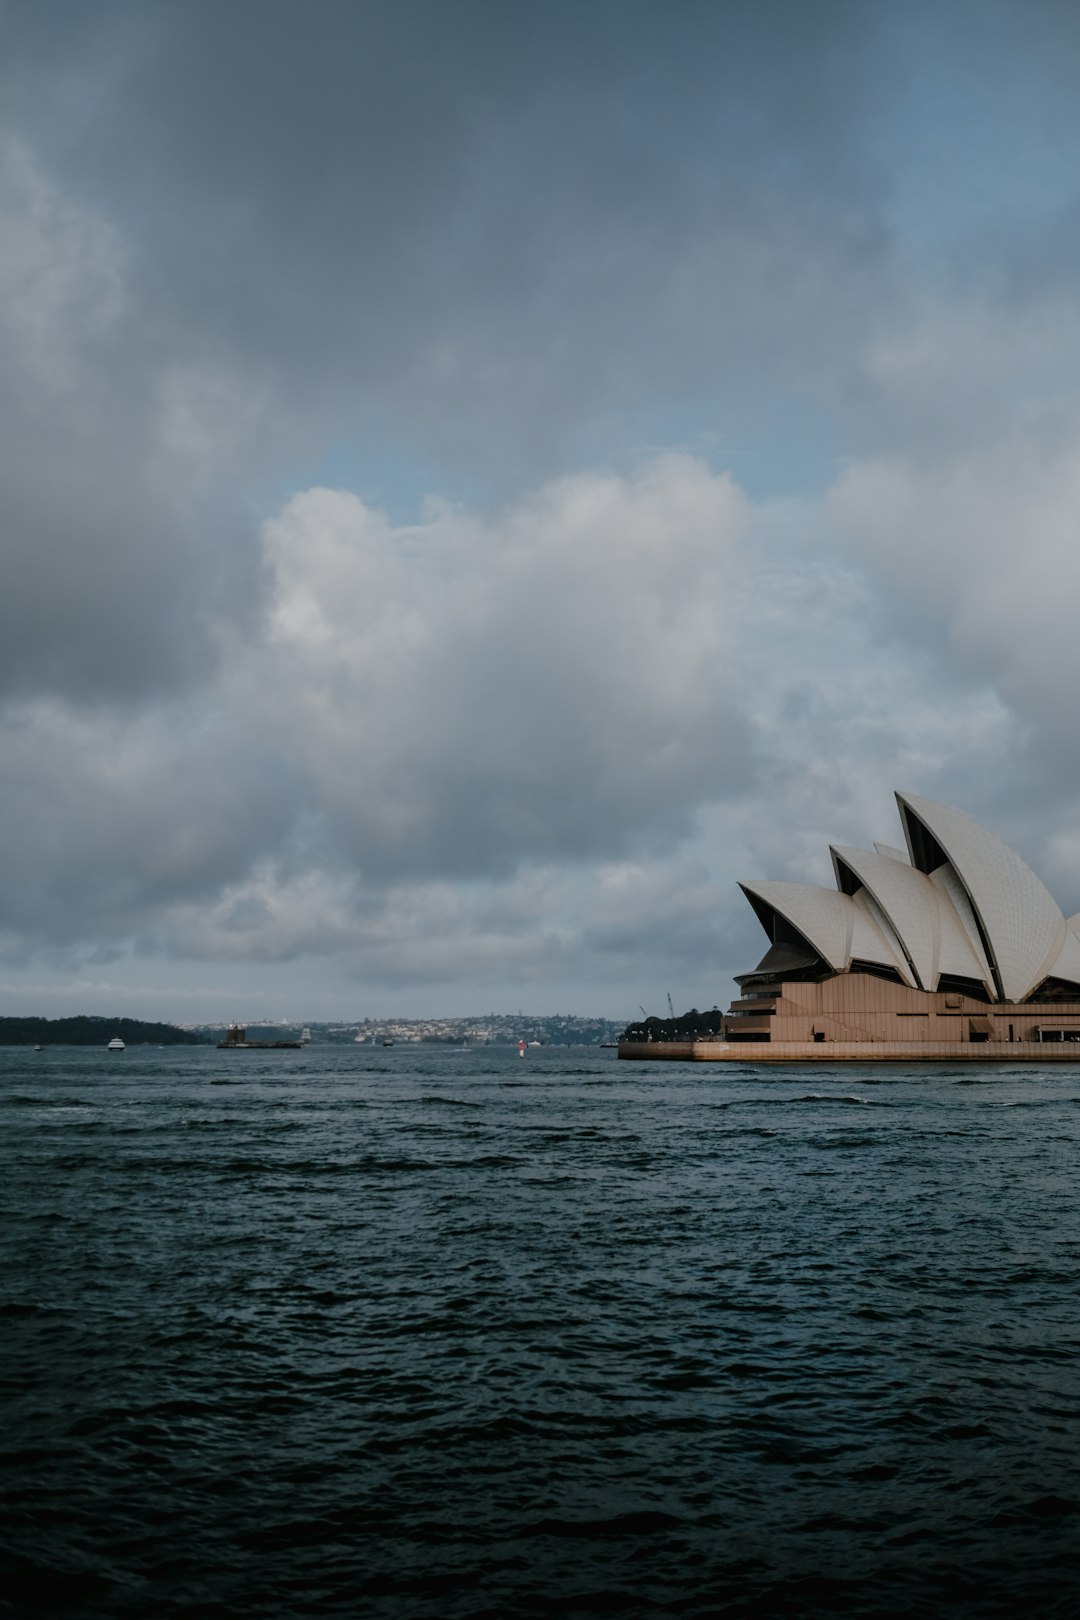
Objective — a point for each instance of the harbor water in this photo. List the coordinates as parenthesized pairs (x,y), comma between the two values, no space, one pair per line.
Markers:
(430,1332)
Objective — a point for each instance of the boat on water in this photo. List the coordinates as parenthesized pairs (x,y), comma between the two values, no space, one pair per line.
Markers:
(236,1041)
(115,1045)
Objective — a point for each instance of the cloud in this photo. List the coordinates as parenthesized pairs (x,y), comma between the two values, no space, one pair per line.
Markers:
(107,486)
(554,681)
(350,635)
(520,240)
(540,744)
(985,546)
(452,700)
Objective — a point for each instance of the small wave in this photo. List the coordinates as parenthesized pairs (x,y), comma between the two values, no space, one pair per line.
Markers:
(1041,1507)
(842,1140)
(19,1307)
(684,1380)
(487,1161)
(566,1133)
(19,1099)
(824,1096)
(966,1431)
(51,1585)
(644,1523)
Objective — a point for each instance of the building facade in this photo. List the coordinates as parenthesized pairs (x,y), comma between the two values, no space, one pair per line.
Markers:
(950,948)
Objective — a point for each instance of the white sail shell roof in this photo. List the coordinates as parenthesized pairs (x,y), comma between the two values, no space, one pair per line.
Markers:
(960,952)
(872,930)
(1067,962)
(908,900)
(830,921)
(1019,918)
(964,906)
(820,915)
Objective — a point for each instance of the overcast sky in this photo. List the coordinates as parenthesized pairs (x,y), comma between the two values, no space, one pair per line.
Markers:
(478,479)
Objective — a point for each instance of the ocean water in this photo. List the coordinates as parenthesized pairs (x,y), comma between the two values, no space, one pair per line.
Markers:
(412,1332)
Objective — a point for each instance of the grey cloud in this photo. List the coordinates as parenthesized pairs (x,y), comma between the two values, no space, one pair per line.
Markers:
(555,682)
(114,821)
(498,241)
(503,242)
(107,520)
(438,714)
(456,700)
(536,229)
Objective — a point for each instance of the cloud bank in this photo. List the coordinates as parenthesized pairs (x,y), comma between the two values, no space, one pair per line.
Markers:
(474,483)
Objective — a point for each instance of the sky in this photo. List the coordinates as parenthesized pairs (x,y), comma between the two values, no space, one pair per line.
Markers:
(478,480)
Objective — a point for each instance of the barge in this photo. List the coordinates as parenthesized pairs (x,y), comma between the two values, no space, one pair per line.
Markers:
(236,1041)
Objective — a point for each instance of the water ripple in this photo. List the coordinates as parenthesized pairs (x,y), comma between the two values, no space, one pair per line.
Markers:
(445,1334)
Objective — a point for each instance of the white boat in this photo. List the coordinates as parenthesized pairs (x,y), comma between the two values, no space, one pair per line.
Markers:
(115,1045)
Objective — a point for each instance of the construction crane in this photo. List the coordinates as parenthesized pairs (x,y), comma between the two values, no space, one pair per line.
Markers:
(670,1008)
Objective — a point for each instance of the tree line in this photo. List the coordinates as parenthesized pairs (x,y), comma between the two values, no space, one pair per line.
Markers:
(689,1026)
(91,1030)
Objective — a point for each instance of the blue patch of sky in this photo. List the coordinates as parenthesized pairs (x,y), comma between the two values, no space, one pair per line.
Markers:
(786,446)
(383,476)
(978,126)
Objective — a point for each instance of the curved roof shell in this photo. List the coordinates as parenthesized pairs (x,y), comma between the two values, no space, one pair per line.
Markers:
(831,922)
(1067,962)
(1019,924)
(871,932)
(960,906)
(960,952)
(907,898)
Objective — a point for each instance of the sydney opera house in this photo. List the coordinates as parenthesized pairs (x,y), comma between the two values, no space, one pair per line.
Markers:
(950,949)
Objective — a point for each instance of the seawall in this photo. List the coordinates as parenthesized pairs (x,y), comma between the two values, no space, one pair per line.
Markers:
(831,1052)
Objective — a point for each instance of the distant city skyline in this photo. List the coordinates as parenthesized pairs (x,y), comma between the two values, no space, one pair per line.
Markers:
(476,481)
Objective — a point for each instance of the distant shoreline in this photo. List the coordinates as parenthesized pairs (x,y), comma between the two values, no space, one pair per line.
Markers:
(92,1030)
(488,1029)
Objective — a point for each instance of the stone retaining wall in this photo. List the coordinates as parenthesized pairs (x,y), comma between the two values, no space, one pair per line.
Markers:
(1024,1052)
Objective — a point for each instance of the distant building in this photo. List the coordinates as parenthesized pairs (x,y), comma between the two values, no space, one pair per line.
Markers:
(949,949)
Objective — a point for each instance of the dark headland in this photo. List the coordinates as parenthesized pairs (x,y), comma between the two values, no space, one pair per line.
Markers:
(91,1030)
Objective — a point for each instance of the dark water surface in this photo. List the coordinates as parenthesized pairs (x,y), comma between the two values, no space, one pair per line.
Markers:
(442,1333)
